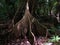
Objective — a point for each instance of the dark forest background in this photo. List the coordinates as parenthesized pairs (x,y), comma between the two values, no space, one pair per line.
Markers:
(47,12)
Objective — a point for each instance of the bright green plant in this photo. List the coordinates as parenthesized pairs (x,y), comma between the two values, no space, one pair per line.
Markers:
(54,39)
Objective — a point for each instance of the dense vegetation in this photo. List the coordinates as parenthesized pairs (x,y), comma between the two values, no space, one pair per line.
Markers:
(47,12)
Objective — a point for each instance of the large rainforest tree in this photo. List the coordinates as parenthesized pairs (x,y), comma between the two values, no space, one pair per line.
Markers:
(45,12)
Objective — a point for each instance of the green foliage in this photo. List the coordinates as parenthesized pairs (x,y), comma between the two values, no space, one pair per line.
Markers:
(46,6)
(54,39)
(43,7)
(53,30)
(6,9)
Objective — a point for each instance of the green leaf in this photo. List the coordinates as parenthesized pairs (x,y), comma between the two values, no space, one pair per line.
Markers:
(55,39)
